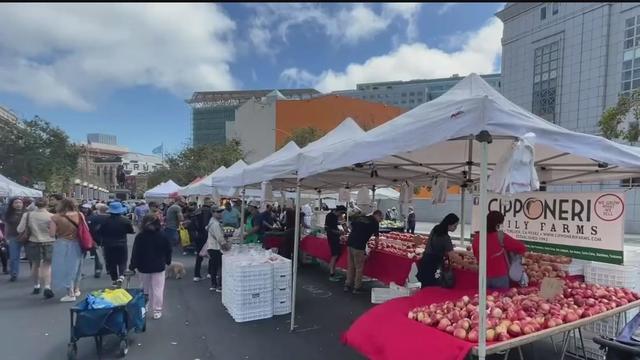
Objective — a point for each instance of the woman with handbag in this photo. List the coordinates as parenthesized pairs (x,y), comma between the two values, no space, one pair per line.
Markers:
(66,260)
(439,246)
(11,220)
(39,247)
(150,255)
(497,253)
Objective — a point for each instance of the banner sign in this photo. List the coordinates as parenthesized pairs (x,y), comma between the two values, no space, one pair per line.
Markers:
(588,226)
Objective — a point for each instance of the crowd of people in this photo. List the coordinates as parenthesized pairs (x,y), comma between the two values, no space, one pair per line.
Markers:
(48,230)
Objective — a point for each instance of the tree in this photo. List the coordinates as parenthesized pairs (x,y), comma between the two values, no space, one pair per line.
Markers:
(614,117)
(35,150)
(303,136)
(191,162)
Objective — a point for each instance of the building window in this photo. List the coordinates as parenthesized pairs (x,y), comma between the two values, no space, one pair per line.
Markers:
(404,94)
(545,80)
(554,9)
(543,13)
(412,93)
(631,57)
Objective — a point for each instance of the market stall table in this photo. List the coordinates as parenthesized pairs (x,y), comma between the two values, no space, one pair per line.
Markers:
(382,266)
(403,338)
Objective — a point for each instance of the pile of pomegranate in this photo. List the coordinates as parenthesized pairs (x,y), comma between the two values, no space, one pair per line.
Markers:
(520,312)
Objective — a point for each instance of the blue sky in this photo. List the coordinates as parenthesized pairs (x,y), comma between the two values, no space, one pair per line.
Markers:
(127,69)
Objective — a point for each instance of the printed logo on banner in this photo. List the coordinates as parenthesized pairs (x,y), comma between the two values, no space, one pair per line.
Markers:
(609,207)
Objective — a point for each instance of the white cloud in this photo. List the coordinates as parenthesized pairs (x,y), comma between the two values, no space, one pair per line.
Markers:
(445,8)
(410,61)
(348,24)
(68,54)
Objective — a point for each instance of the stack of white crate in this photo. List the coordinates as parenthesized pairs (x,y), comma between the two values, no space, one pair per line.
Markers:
(281,286)
(614,276)
(247,287)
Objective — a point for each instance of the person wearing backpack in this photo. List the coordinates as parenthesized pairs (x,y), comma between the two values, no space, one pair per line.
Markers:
(499,246)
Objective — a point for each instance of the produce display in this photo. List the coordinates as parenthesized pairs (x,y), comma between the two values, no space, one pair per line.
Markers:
(520,312)
(537,266)
(228,231)
(391,224)
(400,244)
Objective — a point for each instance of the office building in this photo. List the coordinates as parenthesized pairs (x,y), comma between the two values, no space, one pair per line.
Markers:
(264,125)
(102,139)
(212,110)
(409,94)
(568,62)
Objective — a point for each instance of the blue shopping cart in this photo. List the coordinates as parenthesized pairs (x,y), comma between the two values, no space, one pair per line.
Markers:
(118,320)
(626,346)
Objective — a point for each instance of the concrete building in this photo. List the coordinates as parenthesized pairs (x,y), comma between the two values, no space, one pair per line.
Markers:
(409,94)
(102,139)
(568,62)
(212,110)
(263,125)
(98,164)
(140,164)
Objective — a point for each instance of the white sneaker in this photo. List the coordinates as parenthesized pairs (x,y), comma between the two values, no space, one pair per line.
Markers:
(212,289)
(208,276)
(77,293)
(68,299)
(196,279)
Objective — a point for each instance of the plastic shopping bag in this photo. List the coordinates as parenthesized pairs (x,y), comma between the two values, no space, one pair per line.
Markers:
(185,238)
(116,297)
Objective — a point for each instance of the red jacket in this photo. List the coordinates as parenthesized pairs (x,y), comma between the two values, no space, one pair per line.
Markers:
(496,262)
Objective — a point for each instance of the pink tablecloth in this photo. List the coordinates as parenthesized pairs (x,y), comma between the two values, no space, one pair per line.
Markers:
(385,332)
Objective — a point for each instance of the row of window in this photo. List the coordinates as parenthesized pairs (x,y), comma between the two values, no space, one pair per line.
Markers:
(631,56)
(554,9)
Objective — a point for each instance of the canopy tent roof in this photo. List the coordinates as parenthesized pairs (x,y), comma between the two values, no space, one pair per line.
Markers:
(436,139)
(11,188)
(381,194)
(202,186)
(280,168)
(163,190)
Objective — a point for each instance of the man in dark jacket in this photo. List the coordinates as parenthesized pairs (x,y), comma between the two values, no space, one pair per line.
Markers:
(362,228)
(113,234)
(95,221)
(200,220)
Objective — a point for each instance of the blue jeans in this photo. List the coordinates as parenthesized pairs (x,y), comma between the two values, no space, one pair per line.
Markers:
(14,255)
(66,264)
(173,235)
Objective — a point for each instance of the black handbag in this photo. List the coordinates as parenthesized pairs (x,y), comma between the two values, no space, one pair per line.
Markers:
(445,275)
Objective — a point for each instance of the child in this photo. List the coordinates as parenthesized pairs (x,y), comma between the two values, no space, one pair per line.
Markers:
(151,253)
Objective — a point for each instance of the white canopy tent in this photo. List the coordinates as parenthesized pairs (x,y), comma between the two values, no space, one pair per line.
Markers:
(11,188)
(163,190)
(203,186)
(437,139)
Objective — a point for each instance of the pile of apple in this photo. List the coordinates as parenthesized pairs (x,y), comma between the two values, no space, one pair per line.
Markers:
(407,249)
(464,260)
(520,312)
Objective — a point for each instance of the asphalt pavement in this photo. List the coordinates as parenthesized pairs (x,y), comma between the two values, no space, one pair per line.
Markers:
(195,324)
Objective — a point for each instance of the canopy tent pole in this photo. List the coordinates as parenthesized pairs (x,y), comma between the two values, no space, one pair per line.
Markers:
(242,210)
(296,245)
(374,205)
(464,190)
(320,199)
(485,139)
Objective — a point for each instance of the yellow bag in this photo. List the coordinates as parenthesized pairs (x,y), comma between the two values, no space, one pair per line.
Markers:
(185,238)
(116,296)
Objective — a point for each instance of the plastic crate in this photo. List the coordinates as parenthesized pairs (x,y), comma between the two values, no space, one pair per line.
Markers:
(251,315)
(282,306)
(381,295)
(612,275)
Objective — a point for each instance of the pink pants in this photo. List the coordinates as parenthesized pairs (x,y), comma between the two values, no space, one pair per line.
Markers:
(153,285)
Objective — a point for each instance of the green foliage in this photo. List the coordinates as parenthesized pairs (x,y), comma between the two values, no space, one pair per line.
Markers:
(192,162)
(38,151)
(614,117)
(303,136)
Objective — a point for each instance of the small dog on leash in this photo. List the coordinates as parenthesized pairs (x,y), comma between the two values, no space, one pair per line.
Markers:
(175,270)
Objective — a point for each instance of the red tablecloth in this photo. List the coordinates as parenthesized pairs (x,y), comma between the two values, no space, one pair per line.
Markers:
(402,338)
(272,242)
(385,267)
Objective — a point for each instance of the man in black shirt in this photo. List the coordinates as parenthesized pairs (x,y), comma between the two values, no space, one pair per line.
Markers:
(333,236)
(361,231)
